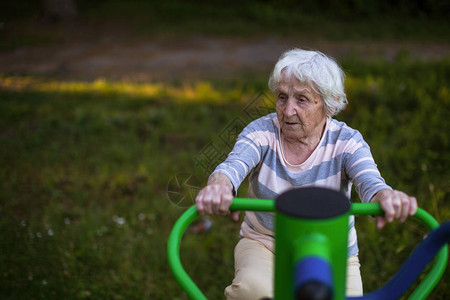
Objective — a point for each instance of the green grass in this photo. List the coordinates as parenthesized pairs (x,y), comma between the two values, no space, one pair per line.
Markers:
(86,167)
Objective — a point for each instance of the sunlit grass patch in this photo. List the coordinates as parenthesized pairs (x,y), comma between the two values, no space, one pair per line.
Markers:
(201,91)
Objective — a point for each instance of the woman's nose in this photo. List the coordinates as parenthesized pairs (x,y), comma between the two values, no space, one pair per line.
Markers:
(289,109)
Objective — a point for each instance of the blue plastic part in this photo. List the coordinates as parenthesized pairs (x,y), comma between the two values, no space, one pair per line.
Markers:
(413,266)
(313,269)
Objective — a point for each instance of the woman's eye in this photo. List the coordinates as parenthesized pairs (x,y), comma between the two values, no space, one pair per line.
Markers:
(282,97)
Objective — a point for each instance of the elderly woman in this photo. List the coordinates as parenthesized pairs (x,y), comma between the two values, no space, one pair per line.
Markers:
(299,145)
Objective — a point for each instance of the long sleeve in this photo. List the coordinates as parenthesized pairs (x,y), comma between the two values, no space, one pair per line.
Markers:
(247,153)
(362,170)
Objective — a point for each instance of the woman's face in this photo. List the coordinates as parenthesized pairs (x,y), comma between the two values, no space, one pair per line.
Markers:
(300,110)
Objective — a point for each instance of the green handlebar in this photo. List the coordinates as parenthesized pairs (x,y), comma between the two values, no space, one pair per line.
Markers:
(173,247)
(436,272)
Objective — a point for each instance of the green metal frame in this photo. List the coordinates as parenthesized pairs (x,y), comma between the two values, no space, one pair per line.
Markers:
(173,246)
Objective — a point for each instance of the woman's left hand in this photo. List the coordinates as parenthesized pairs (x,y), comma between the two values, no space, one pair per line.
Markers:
(396,205)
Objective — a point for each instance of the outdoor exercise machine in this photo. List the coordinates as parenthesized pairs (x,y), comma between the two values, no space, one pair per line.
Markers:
(311,233)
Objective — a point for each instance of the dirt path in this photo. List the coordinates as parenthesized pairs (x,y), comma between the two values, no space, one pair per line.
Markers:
(192,58)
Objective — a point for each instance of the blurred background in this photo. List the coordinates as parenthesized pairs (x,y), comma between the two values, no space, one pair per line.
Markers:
(113,114)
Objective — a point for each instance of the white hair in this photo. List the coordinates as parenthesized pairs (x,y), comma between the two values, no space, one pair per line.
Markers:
(316,70)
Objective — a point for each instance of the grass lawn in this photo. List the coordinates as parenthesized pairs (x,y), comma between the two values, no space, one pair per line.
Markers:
(87,166)
(90,172)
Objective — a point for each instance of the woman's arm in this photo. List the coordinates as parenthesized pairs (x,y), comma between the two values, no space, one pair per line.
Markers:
(217,195)
(371,187)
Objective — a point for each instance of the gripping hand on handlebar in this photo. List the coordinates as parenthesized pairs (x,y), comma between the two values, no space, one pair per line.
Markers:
(216,197)
(396,205)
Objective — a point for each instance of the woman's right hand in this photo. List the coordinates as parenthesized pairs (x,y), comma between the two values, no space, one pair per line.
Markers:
(216,197)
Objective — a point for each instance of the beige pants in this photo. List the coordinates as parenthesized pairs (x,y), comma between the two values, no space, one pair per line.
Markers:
(253,264)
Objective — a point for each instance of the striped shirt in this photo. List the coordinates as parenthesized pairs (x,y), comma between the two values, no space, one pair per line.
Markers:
(342,158)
